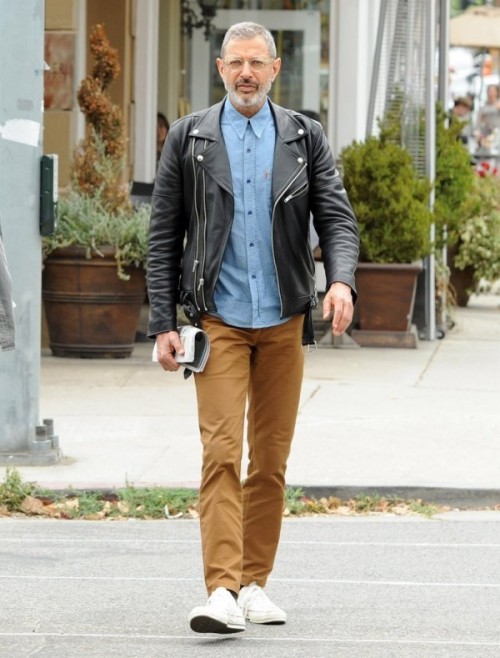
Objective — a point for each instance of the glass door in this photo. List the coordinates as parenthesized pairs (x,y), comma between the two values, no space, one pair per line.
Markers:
(298,42)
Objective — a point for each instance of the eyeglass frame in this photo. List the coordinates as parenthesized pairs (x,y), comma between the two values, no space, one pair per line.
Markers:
(264,61)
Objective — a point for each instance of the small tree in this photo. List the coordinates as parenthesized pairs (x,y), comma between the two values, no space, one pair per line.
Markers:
(96,212)
(98,162)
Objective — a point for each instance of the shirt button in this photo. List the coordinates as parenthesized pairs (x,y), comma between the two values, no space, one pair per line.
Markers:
(251,244)
(248,180)
(300,131)
(249,150)
(250,212)
(253,276)
(199,158)
(300,160)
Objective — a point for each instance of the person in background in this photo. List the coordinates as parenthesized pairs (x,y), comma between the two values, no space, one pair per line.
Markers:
(489,115)
(229,238)
(7,325)
(462,109)
(162,127)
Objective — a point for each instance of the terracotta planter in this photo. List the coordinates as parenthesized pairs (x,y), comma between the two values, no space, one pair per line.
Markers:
(386,298)
(90,311)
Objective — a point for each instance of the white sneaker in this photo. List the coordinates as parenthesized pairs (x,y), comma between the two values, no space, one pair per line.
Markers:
(221,614)
(258,607)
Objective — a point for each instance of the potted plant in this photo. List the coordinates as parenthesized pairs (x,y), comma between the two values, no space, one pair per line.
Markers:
(454,188)
(391,203)
(93,284)
(477,252)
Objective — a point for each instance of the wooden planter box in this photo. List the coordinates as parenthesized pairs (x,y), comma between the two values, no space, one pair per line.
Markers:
(90,311)
(386,297)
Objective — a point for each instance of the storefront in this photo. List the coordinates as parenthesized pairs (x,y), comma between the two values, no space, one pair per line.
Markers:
(168,64)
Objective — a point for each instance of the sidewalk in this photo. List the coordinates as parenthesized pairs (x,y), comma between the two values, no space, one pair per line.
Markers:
(385,419)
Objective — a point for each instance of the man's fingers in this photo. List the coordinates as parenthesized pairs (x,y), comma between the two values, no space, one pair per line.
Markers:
(167,344)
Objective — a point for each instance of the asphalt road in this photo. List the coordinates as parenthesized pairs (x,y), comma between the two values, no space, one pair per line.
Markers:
(369,587)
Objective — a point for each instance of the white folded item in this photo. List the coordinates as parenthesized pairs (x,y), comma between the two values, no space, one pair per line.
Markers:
(196,348)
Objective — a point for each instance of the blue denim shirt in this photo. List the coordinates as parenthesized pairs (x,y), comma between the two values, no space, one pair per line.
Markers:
(246,293)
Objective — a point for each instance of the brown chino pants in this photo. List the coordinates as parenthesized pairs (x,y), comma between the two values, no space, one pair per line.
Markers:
(241,523)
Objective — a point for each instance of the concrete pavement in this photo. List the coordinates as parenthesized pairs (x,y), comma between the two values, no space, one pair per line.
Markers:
(422,421)
(372,587)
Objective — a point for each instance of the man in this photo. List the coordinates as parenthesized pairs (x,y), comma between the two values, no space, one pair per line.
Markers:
(229,239)
(7,325)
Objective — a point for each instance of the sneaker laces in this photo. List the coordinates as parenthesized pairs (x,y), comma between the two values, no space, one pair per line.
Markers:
(256,594)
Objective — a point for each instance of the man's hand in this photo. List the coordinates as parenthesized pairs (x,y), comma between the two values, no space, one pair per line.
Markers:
(339,301)
(167,344)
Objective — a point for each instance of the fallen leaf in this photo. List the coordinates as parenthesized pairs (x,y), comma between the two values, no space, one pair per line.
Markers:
(32,505)
(171,516)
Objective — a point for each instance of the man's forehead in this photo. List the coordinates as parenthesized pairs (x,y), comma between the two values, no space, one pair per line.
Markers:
(255,45)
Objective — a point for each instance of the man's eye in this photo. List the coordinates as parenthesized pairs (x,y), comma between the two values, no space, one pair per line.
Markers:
(255,64)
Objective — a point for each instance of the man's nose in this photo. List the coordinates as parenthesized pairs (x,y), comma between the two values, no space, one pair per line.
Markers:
(247,67)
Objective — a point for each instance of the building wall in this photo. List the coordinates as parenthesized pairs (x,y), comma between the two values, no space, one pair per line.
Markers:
(65,25)
(59,97)
(352,39)
(353,28)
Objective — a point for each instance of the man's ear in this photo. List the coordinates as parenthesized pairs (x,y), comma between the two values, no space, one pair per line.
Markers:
(220,67)
(276,67)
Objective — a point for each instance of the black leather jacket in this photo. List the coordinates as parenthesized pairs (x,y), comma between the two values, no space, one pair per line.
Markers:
(193,210)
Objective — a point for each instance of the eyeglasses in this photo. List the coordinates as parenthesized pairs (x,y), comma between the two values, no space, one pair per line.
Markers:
(256,64)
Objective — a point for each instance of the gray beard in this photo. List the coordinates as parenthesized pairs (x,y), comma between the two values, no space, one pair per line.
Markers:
(256,100)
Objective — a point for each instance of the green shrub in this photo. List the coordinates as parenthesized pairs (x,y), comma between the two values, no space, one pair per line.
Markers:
(389,199)
(454,180)
(478,243)
(84,221)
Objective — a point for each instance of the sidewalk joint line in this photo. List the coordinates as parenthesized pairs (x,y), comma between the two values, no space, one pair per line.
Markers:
(141,636)
(313,581)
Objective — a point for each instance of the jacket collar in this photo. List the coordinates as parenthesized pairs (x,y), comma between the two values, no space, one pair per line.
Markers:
(207,123)
(214,159)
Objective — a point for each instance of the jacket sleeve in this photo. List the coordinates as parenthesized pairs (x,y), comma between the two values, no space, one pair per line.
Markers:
(333,216)
(166,237)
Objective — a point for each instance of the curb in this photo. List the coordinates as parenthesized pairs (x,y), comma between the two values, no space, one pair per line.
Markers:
(472,498)
(455,497)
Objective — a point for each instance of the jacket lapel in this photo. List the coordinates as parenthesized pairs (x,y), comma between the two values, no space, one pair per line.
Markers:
(288,154)
(209,148)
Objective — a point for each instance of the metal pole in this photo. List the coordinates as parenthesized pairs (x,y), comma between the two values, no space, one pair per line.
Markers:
(443,92)
(376,68)
(22,439)
(430,158)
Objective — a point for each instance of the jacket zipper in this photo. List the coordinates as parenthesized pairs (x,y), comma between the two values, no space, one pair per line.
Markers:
(201,283)
(196,260)
(301,169)
(296,192)
(201,242)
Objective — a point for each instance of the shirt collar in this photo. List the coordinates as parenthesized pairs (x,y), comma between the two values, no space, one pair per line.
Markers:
(239,122)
